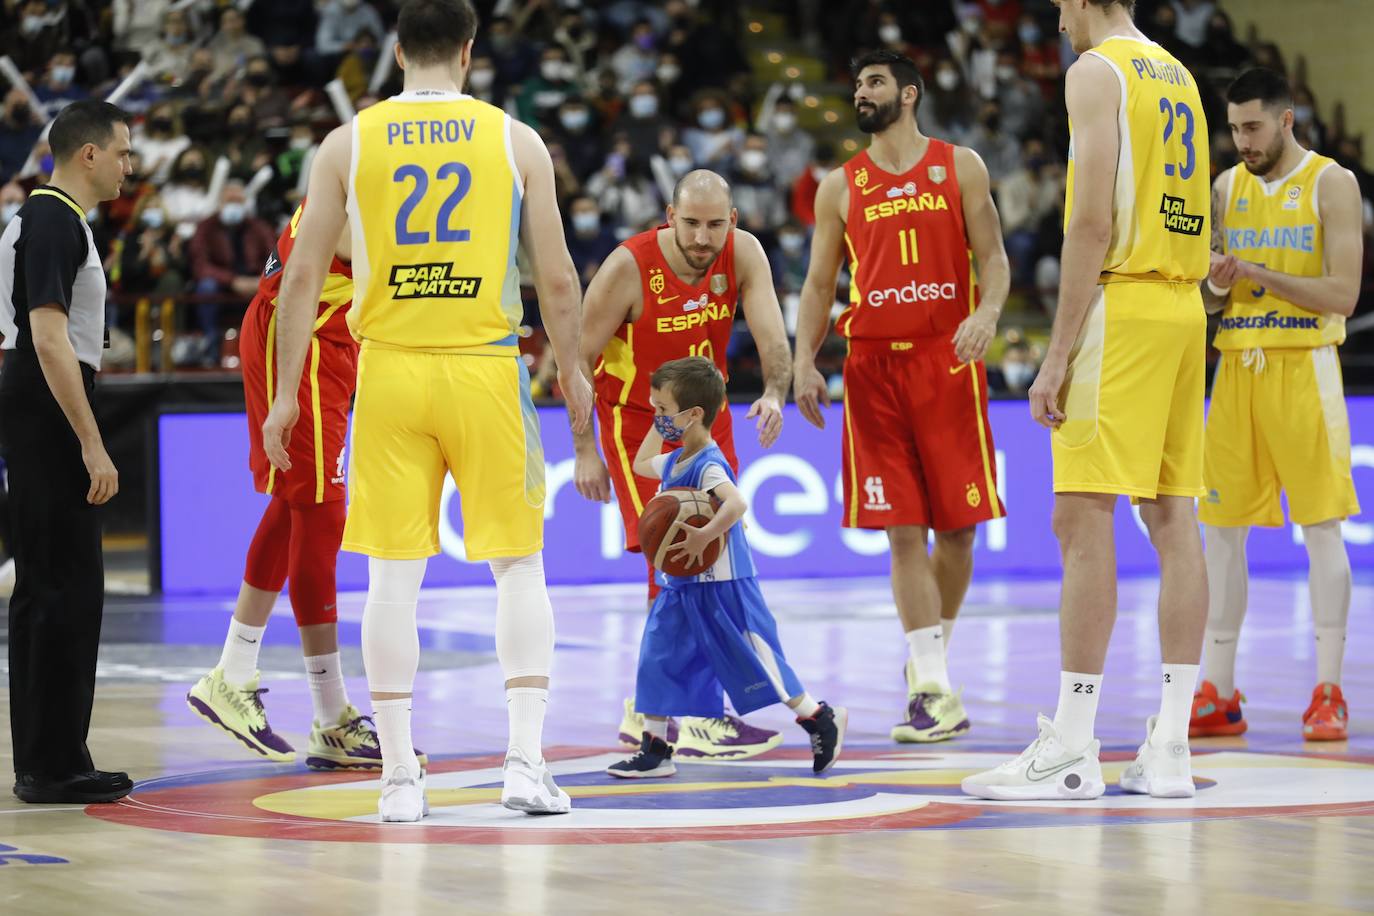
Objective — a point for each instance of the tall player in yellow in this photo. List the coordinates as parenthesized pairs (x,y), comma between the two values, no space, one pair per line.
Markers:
(437,188)
(1287,231)
(1122,388)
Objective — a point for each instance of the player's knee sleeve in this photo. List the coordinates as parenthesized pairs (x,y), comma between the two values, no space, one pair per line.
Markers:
(1227,578)
(524,616)
(1328,573)
(269,551)
(391,644)
(316,532)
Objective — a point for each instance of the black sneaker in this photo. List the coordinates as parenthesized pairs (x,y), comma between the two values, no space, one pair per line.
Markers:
(826,728)
(655,758)
(94,787)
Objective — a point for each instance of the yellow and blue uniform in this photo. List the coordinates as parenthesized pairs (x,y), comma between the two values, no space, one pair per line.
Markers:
(434,209)
(1133,396)
(1278,422)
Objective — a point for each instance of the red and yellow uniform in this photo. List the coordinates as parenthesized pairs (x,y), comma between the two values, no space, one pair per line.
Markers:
(317,442)
(917,445)
(678,320)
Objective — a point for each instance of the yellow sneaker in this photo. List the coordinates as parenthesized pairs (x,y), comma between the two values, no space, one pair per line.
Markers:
(349,744)
(238,710)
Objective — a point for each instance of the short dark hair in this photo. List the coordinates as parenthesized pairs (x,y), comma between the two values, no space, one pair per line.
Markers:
(903,69)
(694,381)
(87,121)
(1269,86)
(434,31)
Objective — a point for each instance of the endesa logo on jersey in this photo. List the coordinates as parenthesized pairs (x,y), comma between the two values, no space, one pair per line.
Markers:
(913,292)
(431,281)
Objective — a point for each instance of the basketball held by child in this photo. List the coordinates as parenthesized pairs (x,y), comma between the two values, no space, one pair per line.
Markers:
(677,504)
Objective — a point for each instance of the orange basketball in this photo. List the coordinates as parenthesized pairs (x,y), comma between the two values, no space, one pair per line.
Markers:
(677,504)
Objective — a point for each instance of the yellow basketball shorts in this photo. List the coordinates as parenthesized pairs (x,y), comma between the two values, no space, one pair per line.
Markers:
(1277,423)
(1133,396)
(419,416)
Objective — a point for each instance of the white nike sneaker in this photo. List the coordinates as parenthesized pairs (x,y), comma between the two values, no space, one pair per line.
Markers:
(1045,770)
(530,788)
(403,796)
(1162,771)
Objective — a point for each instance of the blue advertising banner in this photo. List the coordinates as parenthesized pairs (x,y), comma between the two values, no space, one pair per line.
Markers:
(208,510)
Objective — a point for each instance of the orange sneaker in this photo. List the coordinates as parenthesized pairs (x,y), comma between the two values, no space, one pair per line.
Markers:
(1326,718)
(1213,716)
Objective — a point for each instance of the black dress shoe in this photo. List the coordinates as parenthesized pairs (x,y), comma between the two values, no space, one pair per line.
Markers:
(89,788)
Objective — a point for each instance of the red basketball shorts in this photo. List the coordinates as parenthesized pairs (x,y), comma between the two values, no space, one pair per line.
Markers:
(917,444)
(317,442)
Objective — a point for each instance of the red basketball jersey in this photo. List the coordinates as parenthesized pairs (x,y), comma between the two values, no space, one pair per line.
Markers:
(911,269)
(677,320)
(336,296)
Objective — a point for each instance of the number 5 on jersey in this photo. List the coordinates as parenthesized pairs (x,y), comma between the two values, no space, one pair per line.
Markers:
(443,228)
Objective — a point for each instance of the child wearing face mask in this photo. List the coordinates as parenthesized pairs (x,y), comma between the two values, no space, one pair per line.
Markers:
(710,633)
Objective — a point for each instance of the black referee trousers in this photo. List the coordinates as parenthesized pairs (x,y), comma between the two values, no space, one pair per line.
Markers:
(59,593)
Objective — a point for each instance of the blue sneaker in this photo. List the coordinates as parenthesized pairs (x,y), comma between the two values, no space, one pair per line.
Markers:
(655,759)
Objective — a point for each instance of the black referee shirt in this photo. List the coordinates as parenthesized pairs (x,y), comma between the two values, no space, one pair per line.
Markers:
(47,254)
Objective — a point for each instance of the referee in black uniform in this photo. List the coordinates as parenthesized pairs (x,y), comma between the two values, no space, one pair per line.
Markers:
(52,316)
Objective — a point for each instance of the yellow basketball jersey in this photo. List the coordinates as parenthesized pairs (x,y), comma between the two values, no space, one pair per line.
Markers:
(1276,224)
(434,208)
(1161,205)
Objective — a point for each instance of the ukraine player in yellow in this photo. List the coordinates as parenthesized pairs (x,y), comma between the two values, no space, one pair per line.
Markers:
(437,188)
(1122,389)
(1286,227)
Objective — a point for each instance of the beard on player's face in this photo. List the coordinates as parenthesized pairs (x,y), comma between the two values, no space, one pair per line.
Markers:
(1262,162)
(874,117)
(699,256)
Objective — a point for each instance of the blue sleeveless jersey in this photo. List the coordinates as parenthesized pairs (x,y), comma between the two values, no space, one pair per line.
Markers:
(735,560)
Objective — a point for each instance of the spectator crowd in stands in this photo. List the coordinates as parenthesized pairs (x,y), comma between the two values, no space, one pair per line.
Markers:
(628,94)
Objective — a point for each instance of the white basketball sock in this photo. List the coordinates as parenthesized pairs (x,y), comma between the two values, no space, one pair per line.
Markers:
(1076,715)
(1328,582)
(239,659)
(525,707)
(804,706)
(656,727)
(1175,704)
(393,733)
(947,630)
(927,647)
(1228,584)
(328,694)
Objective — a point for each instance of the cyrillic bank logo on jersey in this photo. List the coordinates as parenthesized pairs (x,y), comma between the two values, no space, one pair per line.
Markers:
(431,281)
(913,292)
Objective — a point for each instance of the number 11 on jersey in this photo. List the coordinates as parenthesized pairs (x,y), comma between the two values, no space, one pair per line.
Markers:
(907,239)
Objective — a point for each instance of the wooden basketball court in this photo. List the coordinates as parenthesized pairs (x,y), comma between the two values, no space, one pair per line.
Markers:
(1276,826)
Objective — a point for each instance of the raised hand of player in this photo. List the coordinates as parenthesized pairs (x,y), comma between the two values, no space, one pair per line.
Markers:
(769,412)
(577,394)
(973,336)
(693,545)
(1225,270)
(1044,394)
(276,431)
(590,476)
(810,391)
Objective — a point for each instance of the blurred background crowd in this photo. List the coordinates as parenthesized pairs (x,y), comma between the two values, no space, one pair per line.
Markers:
(628,94)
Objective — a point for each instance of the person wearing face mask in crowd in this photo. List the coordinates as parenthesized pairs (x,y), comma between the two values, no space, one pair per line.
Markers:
(590,241)
(341,21)
(576,131)
(948,112)
(636,59)
(242,143)
(272,107)
(606,100)
(576,37)
(135,188)
(58,88)
(482,82)
(226,254)
(790,258)
(516,59)
(12,197)
(1221,48)
(1039,58)
(32,35)
(714,140)
(355,69)
(759,200)
(889,33)
(991,141)
(20,128)
(542,94)
(669,166)
(190,195)
(641,122)
(673,89)
(1019,100)
(629,198)
(1016,371)
(804,189)
(1024,200)
(1308,127)
(170,54)
(789,148)
(232,45)
(160,140)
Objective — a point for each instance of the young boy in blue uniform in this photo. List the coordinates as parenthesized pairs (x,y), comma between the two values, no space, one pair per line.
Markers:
(712,630)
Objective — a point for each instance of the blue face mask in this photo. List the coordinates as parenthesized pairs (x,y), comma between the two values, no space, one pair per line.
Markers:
(669,430)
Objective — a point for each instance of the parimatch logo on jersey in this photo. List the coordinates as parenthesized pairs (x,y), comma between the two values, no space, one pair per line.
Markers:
(431,281)
(1175,220)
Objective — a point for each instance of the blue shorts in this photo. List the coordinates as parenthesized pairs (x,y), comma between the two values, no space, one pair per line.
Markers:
(706,636)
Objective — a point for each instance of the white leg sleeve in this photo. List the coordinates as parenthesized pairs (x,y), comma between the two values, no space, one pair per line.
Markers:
(524,616)
(1228,593)
(391,643)
(1328,574)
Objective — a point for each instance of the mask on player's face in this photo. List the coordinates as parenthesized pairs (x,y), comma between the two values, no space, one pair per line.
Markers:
(669,430)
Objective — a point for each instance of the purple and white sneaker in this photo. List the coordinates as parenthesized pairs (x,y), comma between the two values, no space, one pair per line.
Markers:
(726,738)
(237,708)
